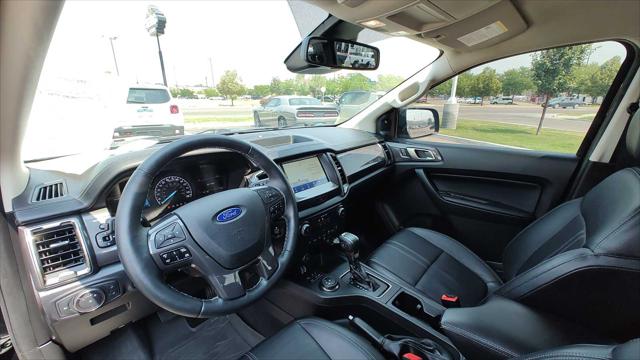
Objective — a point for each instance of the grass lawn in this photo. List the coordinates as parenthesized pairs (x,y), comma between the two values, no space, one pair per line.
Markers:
(517,135)
(217,119)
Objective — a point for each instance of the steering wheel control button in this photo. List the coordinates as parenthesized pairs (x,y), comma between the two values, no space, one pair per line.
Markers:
(89,300)
(276,210)
(269,194)
(169,235)
(329,284)
(174,256)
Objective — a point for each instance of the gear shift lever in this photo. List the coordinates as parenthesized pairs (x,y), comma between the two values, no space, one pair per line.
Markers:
(350,244)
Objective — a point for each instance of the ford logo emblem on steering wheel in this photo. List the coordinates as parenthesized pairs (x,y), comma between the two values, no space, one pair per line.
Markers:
(228,214)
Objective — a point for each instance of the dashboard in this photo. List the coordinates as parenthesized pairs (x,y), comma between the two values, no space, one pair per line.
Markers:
(187,179)
(85,297)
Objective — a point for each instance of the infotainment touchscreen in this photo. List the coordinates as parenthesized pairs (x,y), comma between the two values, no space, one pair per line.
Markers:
(305,174)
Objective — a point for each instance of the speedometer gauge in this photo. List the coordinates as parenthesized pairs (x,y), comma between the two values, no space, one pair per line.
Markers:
(172,190)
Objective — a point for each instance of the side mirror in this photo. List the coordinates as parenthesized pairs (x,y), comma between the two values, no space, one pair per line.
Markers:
(418,122)
(340,54)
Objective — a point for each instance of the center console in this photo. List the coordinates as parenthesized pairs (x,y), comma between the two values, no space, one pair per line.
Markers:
(328,276)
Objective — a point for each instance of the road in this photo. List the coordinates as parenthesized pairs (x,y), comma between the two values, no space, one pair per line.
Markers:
(230,117)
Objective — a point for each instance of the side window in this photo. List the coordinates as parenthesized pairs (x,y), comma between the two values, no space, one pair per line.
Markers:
(273,103)
(544,101)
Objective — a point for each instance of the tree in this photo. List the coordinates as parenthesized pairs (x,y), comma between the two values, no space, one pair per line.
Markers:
(552,71)
(261,90)
(353,82)
(517,81)
(230,85)
(486,84)
(276,86)
(600,82)
(211,92)
(442,89)
(465,84)
(316,83)
(300,85)
(581,78)
(388,82)
(183,93)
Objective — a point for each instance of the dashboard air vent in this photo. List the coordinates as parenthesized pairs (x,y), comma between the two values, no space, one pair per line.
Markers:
(336,163)
(58,248)
(387,153)
(49,191)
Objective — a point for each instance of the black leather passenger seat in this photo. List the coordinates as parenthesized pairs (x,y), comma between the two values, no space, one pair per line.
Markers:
(580,261)
(435,264)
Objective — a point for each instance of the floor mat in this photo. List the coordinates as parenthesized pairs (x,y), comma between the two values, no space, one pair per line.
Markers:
(225,337)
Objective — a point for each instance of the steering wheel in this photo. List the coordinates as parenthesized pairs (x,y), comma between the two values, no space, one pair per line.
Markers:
(221,235)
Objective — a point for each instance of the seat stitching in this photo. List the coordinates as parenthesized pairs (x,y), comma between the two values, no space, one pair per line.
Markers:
(427,269)
(299,323)
(479,339)
(535,268)
(535,222)
(545,242)
(466,250)
(341,335)
(411,256)
(617,229)
(390,272)
(411,250)
(568,354)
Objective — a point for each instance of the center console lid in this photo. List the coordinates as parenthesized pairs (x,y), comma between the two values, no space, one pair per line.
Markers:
(501,328)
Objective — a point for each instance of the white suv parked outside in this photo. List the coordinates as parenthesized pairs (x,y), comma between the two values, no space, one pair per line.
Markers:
(150,110)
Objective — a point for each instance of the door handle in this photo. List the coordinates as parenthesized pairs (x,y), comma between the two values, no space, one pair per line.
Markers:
(424,154)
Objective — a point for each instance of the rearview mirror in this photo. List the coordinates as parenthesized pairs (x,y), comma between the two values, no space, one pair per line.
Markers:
(340,54)
(418,122)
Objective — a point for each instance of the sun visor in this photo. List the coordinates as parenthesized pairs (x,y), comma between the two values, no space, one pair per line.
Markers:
(495,24)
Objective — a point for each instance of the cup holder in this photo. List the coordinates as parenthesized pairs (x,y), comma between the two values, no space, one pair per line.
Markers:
(411,305)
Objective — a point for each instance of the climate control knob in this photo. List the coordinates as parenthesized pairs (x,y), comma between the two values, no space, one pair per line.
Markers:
(305,229)
(342,212)
(88,300)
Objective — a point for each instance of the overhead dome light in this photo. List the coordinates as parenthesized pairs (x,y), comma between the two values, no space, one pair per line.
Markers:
(373,23)
(400,33)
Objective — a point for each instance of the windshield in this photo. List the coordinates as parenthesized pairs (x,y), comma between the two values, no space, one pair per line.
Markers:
(104,84)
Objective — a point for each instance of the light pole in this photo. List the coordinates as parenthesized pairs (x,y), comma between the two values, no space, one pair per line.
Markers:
(451,108)
(213,84)
(113,52)
(155,24)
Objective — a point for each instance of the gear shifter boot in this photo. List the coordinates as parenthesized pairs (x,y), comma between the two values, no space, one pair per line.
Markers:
(350,245)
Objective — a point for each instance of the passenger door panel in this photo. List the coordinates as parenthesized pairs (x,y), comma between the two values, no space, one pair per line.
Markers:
(481,196)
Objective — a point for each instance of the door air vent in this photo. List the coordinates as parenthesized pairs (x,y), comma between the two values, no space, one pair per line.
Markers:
(339,169)
(48,191)
(387,153)
(59,252)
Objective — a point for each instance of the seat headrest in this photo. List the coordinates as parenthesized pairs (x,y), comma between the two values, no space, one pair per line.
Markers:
(633,136)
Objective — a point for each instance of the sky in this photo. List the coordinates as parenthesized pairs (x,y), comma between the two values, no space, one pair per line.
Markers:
(601,52)
(252,37)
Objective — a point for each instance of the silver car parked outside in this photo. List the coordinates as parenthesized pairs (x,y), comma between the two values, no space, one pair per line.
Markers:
(290,110)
